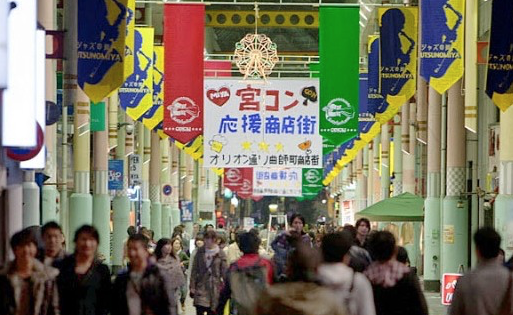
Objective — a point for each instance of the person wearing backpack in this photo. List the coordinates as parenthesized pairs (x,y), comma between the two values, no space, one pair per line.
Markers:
(351,286)
(247,277)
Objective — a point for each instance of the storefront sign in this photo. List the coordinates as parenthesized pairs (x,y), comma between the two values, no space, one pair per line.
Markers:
(285,182)
(274,125)
(135,170)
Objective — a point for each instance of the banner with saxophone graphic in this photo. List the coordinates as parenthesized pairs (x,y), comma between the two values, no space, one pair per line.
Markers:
(155,114)
(136,94)
(443,42)
(398,31)
(101,44)
(499,81)
(129,43)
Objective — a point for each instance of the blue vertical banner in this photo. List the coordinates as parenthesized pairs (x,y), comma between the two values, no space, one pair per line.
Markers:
(186,211)
(443,42)
(115,174)
(398,68)
(499,78)
(101,46)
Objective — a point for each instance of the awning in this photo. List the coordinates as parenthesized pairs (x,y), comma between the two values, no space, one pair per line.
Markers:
(404,207)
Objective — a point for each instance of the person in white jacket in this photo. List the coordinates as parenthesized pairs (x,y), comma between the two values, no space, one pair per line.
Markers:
(335,273)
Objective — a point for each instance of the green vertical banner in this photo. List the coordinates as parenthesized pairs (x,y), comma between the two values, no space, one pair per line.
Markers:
(98,116)
(339,33)
(312,182)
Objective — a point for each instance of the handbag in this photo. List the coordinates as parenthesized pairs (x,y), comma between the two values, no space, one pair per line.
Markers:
(505,307)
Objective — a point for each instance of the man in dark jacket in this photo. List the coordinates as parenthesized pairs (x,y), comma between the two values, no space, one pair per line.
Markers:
(395,286)
(486,290)
(144,288)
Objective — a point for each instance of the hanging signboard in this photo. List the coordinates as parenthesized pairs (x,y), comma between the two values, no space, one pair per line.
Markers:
(284,182)
(273,125)
(135,170)
(186,211)
(115,174)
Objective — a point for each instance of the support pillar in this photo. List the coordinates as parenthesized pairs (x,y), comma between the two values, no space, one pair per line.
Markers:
(50,194)
(361,181)
(422,110)
(432,202)
(145,184)
(188,188)
(409,157)
(81,201)
(385,162)
(405,128)
(155,169)
(31,214)
(120,203)
(398,155)
(376,167)
(206,194)
(504,201)
(165,180)
(455,209)
(175,183)
(101,198)
(368,167)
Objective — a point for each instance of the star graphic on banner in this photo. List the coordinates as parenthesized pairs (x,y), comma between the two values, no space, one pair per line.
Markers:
(246,145)
(279,147)
(263,146)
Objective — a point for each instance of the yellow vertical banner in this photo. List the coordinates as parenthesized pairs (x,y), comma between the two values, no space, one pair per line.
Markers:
(136,94)
(129,43)
(398,58)
(155,115)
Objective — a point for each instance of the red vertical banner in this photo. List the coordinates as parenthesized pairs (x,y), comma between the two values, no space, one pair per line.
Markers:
(246,190)
(240,181)
(232,178)
(184,26)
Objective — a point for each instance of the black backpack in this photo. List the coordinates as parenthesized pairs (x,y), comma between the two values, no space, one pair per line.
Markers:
(247,285)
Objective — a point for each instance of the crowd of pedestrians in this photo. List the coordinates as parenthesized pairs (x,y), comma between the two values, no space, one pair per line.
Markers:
(344,271)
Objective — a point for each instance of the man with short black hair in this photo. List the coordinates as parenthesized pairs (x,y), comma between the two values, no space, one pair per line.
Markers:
(335,273)
(486,290)
(53,239)
(144,288)
(362,231)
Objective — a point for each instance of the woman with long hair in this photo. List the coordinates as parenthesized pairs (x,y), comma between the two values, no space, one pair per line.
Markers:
(169,260)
